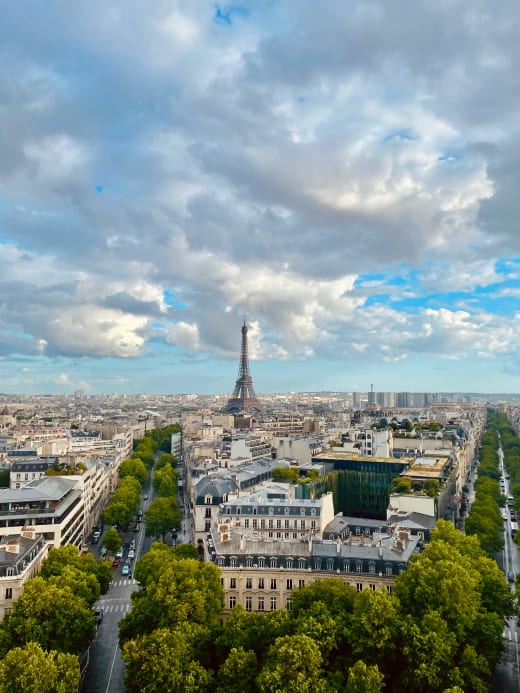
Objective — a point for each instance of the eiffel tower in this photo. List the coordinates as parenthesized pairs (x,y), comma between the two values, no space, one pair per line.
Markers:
(243,397)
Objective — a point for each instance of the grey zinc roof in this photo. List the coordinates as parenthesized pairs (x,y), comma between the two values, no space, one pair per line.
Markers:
(216,487)
(47,488)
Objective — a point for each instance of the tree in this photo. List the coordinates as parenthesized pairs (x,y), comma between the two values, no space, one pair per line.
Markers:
(431,487)
(51,616)
(293,663)
(31,670)
(289,474)
(364,679)
(134,467)
(81,584)
(161,517)
(62,557)
(112,540)
(183,590)
(164,459)
(401,484)
(238,672)
(165,660)
(186,551)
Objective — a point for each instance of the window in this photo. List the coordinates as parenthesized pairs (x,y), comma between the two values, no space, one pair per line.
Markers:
(301,563)
(371,567)
(359,586)
(278,524)
(249,562)
(271,525)
(359,567)
(372,587)
(221,561)
(246,523)
(207,526)
(347,566)
(288,604)
(208,500)
(249,583)
(208,512)
(273,603)
(273,562)
(288,563)
(233,562)
(389,589)
(255,523)
(330,564)
(232,583)
(286,511)
(273,583)
(261,562)
(302,524)
(388,570)
(262,524)
(302,511)
(287,524)
(260,583)
(313,524)
(8,592)
(232,601)
(249,603)
(289,583)
(271,511)
(301,583)
(295,524)
(260,604)
(313,511)
(317,564)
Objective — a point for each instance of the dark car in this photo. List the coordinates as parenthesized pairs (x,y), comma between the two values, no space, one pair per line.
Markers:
(98,615)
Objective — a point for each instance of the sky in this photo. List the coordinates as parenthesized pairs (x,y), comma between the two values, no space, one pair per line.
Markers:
(342,175)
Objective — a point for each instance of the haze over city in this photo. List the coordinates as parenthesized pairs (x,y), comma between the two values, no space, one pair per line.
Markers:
(344,176)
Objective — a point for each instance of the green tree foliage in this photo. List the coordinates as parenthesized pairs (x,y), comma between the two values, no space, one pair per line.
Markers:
(364,679)
(30,669)
(164,459)
(81,584)
(401,484)
(183,590)
(51,616)
(124,503)
(134,467)
(162,516)
(432,487)
(292,664)
(4,478)
(238,672)
(287,474)
(162,437)
(68,556)
(165,661)
(112,540)
(165,481)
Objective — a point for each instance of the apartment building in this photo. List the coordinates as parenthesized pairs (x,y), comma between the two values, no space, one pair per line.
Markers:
(53,506)
(261,573)
(21,556)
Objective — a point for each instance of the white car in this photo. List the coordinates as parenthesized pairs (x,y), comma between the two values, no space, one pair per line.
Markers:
(119,553)
(131,554)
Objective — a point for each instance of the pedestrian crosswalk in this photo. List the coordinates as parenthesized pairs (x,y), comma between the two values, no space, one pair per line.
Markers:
(123,583)
(114,608)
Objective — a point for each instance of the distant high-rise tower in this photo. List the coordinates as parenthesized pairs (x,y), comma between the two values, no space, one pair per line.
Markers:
(243,397)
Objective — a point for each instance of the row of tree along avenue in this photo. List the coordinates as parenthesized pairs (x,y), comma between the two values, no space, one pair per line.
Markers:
(162,515)
(52,624)
(440,629)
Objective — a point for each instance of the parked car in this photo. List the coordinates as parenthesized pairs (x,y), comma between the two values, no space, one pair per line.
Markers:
(104,551)
(132,544)
(125,570)
(119,553)
(98,615)
(116,562)
(135,528)
(145,497)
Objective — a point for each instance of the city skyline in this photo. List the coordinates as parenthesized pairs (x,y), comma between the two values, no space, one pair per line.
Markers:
(345,178)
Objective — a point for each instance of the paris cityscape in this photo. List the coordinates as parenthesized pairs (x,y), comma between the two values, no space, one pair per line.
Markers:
(259,347)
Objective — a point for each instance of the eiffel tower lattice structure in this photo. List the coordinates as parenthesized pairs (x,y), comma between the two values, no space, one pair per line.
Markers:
(243,398)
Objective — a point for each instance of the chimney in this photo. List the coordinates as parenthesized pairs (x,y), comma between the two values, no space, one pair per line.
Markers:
(28,532)
(12,546)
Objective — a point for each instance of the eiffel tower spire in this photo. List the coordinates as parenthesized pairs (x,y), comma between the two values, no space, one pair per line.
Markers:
(243,397)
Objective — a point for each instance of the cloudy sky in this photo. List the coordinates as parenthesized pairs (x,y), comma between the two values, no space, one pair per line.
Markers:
(345,175)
